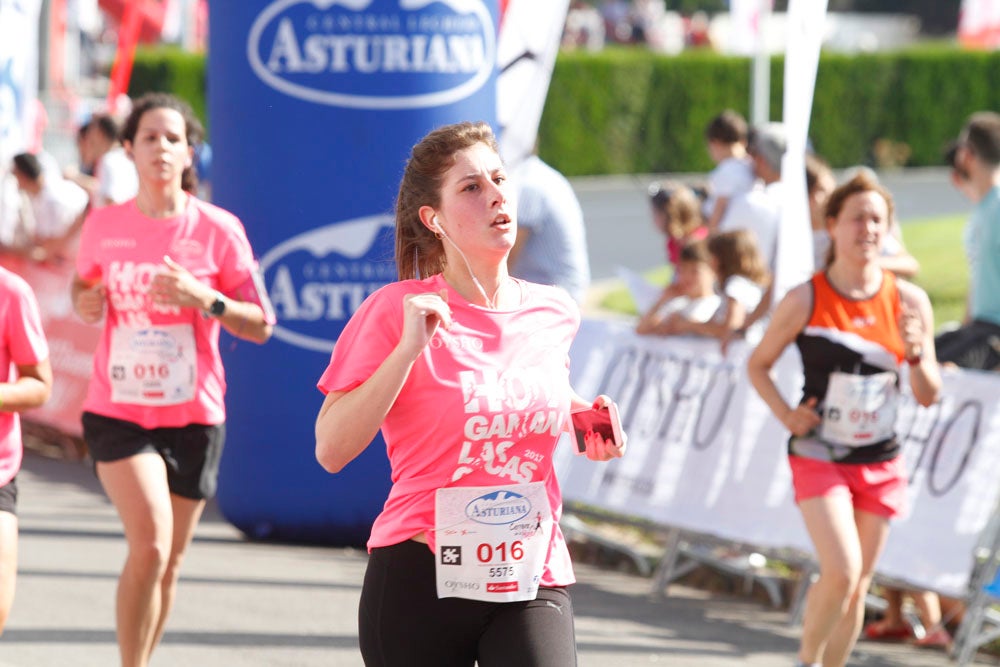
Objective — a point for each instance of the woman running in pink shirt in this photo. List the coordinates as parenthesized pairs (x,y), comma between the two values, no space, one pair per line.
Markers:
(466,371)
(25,383)
(166,272)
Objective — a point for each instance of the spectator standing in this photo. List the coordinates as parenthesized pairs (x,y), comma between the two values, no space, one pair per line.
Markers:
(584,27)
(56,207)
(617,22)
(115,180)
(551,244)
(85,164)
(759,209)
(976,173)
(733,174)
(893,625)
(697,33)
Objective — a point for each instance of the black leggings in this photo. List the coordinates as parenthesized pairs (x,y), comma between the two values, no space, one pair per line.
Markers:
(403,622)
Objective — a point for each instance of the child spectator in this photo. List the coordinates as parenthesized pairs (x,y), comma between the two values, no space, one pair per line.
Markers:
(677,214)
(742,281)
(691,296)
(727,146)
(743,277)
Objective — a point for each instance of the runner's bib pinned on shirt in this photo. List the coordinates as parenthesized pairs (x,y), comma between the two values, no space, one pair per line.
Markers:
(860,409)
(153,365)
(492,541)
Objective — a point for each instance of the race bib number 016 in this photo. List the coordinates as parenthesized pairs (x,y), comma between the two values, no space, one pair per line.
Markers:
(154,365)
(860,409)
(492,541)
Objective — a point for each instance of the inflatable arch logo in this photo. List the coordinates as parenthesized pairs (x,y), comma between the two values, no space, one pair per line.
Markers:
(374,54)
(317,279)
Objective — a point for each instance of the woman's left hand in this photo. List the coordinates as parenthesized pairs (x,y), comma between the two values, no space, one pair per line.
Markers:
(598,447)
(176,286)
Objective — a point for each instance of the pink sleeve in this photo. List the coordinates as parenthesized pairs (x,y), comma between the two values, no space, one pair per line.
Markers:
(239,274)
(87,266)
(237,263)
(25,335)
(370,335)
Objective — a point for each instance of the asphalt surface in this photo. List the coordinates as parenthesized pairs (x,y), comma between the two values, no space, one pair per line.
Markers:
(246,604)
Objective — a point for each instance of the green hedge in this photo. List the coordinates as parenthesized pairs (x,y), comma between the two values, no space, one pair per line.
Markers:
(627,110)
(630,111)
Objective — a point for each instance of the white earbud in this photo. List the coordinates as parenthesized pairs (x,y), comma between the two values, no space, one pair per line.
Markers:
(437,225)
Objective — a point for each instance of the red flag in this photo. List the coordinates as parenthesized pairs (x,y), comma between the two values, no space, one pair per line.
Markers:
(128,37)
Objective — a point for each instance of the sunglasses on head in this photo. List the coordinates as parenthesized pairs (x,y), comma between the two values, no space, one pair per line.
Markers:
(659,196)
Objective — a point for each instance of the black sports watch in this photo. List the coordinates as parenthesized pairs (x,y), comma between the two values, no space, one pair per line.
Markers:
(218,306)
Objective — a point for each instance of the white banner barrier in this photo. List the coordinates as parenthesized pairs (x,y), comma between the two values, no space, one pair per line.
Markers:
(706,455)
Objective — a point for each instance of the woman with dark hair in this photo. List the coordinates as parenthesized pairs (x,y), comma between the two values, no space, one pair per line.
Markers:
(854,324)
(465,370)
(166,272)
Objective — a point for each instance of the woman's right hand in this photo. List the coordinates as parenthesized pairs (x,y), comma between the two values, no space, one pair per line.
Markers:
(89,303)
(803,418)
(422,314)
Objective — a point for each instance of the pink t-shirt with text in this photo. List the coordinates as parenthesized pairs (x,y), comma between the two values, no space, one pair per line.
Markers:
(123,249)
(483,405)
(23,343)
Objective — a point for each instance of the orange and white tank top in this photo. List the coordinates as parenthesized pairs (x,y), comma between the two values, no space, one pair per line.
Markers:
(851,350)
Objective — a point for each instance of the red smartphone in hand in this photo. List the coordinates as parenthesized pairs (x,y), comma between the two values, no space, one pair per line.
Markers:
(604,421)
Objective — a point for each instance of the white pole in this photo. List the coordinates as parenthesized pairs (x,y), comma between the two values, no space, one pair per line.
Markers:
(760,89)
(794,263)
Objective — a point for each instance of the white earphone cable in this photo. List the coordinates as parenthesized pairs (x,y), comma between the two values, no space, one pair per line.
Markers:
(491,303)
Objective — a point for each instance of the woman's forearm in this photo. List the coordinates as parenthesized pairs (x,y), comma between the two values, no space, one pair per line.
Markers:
(925,381)
(760,378)
(245,320)
(23,394)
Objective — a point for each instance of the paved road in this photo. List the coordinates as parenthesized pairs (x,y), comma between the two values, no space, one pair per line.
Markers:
(244,604)
(620,231)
